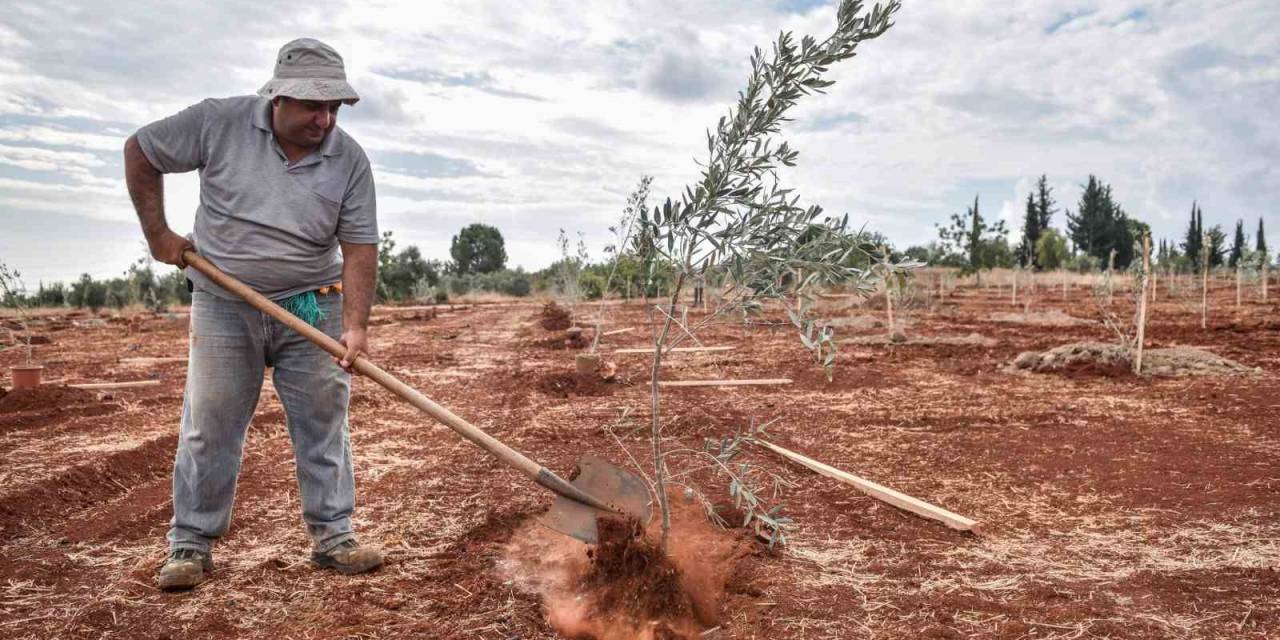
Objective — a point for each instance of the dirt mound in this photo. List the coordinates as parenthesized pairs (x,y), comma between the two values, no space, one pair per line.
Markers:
(575,338)
(1053,318)
(856,323)
(44,397)
(1080,359)
(555,317)
(1184,361)
(898,338)
(1111,360)
(565,385)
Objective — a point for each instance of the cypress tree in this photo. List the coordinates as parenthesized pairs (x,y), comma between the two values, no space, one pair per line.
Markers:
(1261,247)
(1237,245)
(1087,225)
(1120,231)
(1044,202)
(1100,224)
(1192,246)
(1217,246)
(1030,234)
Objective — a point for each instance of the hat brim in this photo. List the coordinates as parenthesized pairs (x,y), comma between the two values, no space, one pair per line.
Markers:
(310,89)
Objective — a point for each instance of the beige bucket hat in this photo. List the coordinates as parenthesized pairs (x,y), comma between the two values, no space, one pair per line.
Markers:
(307,69)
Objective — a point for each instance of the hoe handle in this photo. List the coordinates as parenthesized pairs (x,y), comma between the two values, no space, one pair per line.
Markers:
(519,461)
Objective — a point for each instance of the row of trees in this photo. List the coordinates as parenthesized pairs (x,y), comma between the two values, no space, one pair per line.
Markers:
(1099,233)
(1194,248)
(140,284)
(478,264)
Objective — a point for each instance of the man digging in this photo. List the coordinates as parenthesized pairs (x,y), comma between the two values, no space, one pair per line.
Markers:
(282,189)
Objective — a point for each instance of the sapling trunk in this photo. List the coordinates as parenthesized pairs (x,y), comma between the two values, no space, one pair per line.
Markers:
(1014,301)
(655,427)
(1264,277)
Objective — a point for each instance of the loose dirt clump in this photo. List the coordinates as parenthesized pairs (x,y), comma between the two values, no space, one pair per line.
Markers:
(555,317)
(565,385)
(44,397)
(631,575)
(628,587)
(1112,360)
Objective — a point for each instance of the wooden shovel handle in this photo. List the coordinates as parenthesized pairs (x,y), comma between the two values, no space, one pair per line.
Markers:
(362,365)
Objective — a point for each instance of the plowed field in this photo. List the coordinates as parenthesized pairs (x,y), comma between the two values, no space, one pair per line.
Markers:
(1111,506)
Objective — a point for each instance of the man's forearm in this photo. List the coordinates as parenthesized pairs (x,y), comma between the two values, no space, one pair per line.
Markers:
(146,189)
(359,272)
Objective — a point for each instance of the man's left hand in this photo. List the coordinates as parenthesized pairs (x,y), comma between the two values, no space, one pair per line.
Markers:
(357,343)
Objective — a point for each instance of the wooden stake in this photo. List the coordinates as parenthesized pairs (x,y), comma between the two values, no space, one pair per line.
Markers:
(152,360)
(888,304)
(617,331)
(1239,280)
(1111,265)
(879,492)
(1142,302)
(674,350)
(116,385)
(722,383)
(1264,277)
(1204,283)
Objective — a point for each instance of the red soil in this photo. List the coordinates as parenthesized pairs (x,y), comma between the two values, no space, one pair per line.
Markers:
(44,397)
(1116,507)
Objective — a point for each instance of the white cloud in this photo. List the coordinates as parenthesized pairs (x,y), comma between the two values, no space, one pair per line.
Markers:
(534,116)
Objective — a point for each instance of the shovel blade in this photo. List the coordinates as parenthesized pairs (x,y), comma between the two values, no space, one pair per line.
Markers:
(622,490)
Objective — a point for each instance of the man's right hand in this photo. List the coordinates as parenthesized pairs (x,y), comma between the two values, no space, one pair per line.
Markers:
(167,247)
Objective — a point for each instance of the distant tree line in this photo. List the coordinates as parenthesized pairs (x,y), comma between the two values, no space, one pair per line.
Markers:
(1098,231)
(477,265)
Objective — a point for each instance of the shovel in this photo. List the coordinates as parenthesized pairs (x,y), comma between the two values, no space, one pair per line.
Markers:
(598,488)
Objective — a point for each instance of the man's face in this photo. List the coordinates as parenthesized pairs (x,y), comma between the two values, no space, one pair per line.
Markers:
(304,123)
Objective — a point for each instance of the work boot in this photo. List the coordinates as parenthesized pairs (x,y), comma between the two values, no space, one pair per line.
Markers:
(185,569)
(349,557)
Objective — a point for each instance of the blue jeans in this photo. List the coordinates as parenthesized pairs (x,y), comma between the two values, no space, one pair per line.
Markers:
(231,345)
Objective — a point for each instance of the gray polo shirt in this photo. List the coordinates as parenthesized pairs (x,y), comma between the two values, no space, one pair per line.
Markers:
(273,225)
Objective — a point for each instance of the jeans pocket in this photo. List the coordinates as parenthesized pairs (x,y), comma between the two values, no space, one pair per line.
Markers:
(331,305)
(217,323)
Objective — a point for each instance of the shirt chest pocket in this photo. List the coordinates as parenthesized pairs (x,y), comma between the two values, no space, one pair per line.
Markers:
(315,196)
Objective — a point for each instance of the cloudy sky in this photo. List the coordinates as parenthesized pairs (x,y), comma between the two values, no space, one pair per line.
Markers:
(535,116)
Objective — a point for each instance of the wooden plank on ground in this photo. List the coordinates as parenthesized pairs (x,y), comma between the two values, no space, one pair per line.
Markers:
(879,492)
(152,360)
(116,385)
(722,383)
(381,308)
(617,331)
(676,350)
